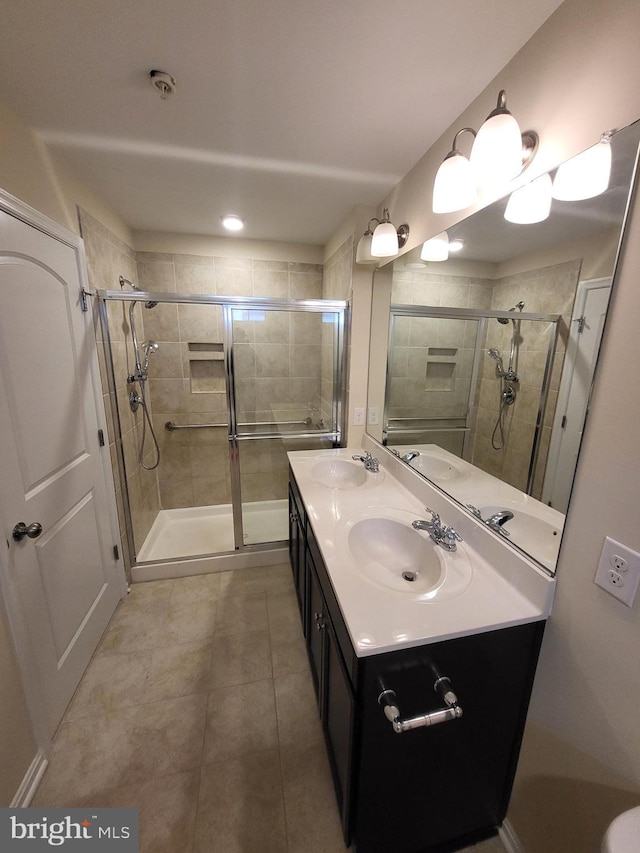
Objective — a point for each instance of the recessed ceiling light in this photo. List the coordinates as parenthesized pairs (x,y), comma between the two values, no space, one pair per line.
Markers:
(455,245)
(232,222)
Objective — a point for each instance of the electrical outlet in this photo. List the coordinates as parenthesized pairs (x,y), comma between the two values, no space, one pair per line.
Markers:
(374,415)
(618,571)
(358,417)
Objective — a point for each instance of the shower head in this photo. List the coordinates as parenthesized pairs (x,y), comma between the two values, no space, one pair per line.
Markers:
(517,307)
(503,320)
(150,346)
(494,353)
(123,281)
(150,304)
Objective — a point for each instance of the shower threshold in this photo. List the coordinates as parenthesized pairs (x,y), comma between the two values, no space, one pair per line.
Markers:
(196,531)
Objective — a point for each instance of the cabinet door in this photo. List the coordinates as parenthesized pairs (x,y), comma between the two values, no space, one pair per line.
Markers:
(338,721)
(315,629)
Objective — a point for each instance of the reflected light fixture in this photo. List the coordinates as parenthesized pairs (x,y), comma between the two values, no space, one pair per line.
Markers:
(531,203)
(454,187)
(436,248)
(500,152)
(456,245)
(232,222)
(384,242)
(586,175)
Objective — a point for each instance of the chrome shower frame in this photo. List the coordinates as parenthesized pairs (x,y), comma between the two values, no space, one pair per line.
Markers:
(236,435)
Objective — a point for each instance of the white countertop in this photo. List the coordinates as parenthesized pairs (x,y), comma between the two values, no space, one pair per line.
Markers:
(505,588)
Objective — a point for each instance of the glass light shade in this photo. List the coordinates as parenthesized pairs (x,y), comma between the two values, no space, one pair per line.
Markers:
(530,203)
(496,155)
(584,176)
(454,187)
(363,251)
(384,242)
(436,249)
(456,245)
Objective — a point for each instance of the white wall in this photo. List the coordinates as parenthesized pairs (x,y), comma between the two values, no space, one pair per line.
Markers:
(580,763)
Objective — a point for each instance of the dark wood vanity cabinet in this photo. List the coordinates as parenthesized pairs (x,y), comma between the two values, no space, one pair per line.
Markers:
(431,789)
(297,545)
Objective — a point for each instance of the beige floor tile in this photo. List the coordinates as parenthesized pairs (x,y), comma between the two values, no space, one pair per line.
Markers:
(241,719)
(239,658)
(297,711)
(148,595)
(241,613)
(278,578)
(167,810)
(491,845)
(288,658)
(110,682)
(137,630)
(240,808)
(178,670)
(242,582)
(89,758)
(196,588)
(313,821)
(167,737)
(284,617)
(188,621)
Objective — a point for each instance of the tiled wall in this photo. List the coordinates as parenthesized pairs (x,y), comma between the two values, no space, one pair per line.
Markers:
(548,290)
(108,257)
(336,285)
(277,362)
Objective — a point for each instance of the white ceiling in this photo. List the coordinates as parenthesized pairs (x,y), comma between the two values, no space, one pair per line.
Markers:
(287,112)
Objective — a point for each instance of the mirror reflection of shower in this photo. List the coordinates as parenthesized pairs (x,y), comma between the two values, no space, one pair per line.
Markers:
(142,353)
(508,377)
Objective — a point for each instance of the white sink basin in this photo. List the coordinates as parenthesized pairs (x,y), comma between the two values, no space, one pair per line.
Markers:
(537,536)
(386,550)
(339,474)
(437,469)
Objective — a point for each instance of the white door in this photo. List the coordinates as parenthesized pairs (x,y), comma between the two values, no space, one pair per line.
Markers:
(587,323)
(64,582)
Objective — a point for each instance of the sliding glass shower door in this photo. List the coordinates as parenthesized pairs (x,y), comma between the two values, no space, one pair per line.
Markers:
(285,364)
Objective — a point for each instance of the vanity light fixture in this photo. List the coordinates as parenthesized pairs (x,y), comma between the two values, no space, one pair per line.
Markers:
(500,152)
(587,174)
(454,187)
(456,245)
(531,203)
(387,240)
(232,222)
(436,248)
(384,242)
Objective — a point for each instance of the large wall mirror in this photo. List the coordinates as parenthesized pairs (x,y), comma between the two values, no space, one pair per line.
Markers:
(481,365)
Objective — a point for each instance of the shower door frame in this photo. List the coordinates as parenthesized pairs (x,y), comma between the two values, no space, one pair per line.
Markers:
(228,304)
(482,315)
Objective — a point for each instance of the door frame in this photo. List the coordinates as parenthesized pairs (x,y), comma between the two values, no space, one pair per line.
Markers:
(18,625)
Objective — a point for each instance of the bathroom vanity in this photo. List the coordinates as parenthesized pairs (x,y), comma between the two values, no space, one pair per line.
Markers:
(453,657)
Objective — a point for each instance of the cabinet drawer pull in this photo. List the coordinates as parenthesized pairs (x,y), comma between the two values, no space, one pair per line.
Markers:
(453,711)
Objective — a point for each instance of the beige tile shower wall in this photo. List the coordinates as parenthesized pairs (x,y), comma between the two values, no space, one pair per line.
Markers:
(277,370)
(108,257)
(336,285)
(548,290)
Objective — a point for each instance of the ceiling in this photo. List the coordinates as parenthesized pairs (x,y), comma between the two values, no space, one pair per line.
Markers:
(288,113)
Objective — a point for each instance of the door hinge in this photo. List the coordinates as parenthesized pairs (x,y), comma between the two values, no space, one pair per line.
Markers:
(101,437)
(581,321)
(563,423)
(116,552)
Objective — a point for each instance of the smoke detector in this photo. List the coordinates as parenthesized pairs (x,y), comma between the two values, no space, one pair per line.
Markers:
(163,82)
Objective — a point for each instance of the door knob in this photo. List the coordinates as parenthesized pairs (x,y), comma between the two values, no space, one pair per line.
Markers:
(21,530)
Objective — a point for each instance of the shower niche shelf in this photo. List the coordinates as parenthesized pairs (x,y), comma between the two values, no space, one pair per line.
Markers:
(206,368)
(441,368)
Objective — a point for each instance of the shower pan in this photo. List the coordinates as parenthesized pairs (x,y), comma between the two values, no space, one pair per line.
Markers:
(225,386)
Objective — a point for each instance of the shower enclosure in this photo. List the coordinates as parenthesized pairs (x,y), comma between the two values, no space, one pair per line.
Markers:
(476,383)
(223,387)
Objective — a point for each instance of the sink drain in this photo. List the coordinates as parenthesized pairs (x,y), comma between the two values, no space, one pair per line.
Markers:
(410,576)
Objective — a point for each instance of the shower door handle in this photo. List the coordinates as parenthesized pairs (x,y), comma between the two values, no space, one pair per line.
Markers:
(21,530)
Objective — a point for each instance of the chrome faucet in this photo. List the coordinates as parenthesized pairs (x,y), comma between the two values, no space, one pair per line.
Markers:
(410,455)
(496,521)
(370,462)
(443,535)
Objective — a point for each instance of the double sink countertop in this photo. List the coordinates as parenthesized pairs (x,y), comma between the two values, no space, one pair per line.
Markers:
(363,528)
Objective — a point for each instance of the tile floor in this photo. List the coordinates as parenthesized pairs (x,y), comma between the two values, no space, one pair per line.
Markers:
(198,708)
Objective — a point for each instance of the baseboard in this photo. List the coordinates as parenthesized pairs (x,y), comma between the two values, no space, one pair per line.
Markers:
(29,784)
(509,839)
